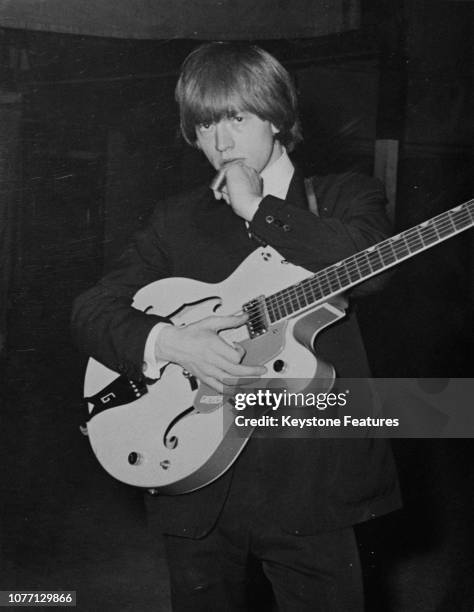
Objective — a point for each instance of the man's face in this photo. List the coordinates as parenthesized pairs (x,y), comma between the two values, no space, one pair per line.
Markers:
(242,136)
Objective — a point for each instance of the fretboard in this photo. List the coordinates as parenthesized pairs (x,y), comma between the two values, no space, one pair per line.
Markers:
(351,271)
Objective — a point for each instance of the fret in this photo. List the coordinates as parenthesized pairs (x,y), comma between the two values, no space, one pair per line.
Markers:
(353,271)
(414,240)
(268,309)
(470,211)
(275,312)
(302,295)
(298,297)
(278,313)
(329,288)
(292,301)
(271,309)
(310,288)
(342,274)
(280,309)
(283,307)
(288,306)
(316,286)
(363,264)
(429,234)
(387,253)
(308,292)
(334,283)
(462,218)
(356,268)
(375,260)
(324,282)
(445,225)
(400,246)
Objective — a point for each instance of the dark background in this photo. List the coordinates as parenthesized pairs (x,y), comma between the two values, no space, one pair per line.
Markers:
(93,144)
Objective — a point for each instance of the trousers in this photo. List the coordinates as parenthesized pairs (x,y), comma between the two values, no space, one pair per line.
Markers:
(306,573)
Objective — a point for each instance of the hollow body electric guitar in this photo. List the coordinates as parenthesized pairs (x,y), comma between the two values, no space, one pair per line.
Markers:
(177,435)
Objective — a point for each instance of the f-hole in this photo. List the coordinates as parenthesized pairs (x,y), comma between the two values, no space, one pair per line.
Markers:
(171,442)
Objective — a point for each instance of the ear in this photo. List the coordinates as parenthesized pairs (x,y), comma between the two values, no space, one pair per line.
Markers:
(275,130)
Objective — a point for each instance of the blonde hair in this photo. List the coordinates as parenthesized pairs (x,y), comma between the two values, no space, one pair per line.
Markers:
(221,79)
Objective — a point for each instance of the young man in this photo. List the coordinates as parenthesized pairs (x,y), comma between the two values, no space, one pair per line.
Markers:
(289,503)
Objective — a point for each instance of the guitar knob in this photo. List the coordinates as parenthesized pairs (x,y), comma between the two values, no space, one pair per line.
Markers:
(279,365)
(135,458)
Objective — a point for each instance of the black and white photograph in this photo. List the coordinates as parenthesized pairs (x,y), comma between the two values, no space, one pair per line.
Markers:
(237,305)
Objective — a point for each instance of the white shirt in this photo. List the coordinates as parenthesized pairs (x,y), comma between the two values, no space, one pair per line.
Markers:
(277,177)
(276,182)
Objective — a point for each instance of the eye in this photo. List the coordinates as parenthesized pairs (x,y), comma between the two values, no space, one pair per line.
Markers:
(238,118)
(205,126)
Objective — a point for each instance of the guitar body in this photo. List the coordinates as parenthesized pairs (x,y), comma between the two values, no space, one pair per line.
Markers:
(181,435)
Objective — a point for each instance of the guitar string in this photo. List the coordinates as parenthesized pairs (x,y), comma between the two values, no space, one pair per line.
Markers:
(334,279)
(361,260)
(355,268)
(415,240)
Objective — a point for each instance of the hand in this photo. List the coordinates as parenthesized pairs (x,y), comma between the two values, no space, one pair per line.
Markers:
(243,189)
(200,350)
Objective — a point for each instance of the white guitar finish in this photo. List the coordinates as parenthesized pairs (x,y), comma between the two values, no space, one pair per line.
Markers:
(176,438)
(207,443)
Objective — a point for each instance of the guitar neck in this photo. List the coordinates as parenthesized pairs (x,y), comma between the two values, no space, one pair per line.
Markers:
(345,274)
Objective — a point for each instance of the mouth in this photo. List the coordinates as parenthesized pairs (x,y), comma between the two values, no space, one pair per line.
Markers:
(227,162)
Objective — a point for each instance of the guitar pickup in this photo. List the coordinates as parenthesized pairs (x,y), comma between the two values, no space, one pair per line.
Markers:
(257,323)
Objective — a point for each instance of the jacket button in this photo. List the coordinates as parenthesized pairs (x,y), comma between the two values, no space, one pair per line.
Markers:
(269,219)
(286,227)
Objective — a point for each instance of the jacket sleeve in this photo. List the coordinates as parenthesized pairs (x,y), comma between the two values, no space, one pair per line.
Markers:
(352,217)
(105,325)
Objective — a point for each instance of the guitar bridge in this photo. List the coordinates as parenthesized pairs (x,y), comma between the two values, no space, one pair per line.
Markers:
(257,323)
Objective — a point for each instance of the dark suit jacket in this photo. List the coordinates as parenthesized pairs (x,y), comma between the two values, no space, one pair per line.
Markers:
(304,485)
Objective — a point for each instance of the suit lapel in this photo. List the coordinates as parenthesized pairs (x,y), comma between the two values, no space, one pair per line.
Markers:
(221,231)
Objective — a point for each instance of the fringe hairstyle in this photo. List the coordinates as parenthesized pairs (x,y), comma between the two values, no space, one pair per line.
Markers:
(221,79)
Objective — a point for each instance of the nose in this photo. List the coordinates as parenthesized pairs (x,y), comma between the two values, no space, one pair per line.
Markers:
(224,139)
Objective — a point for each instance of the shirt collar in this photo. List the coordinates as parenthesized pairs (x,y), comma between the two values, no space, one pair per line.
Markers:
(277,177)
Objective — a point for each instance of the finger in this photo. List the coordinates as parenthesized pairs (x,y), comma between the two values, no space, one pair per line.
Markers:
(240,350)
(220,380)
(226,352)
(212,382)
(217,323)
(238,166)
(243,371)
(238,161)
(227,361)
(249,382)
(211,375)
(240,169)
(222,194)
